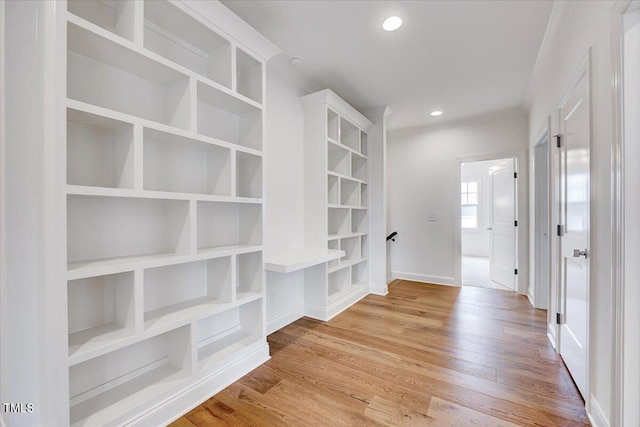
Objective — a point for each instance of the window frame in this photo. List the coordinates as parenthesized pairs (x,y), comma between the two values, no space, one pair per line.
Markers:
(478,181)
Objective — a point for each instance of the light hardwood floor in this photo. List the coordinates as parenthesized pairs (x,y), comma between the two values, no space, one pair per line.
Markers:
(424,355)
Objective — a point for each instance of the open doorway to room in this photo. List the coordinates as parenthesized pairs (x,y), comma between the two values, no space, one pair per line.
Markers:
(487,218)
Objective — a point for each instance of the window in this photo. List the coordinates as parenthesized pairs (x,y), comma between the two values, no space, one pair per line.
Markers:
(469,204)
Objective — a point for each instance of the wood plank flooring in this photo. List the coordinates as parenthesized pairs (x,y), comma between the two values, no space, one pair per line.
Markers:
(424,355)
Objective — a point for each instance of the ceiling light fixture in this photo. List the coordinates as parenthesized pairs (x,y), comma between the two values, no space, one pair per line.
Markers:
(392,23)
(436,113)
(295,61)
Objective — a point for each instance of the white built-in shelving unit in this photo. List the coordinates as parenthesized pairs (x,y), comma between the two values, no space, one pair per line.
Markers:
(164,208)
(336,205)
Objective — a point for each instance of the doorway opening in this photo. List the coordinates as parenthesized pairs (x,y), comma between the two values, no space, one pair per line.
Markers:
(542,222)
(488,223)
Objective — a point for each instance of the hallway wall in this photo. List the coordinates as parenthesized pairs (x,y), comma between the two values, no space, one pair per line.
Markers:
(423,179)
(574,28)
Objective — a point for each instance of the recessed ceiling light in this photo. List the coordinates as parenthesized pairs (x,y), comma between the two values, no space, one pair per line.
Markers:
(392,23)
(436,113)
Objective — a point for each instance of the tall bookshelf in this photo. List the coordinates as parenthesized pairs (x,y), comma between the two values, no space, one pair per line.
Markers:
(164,209)
(336,205)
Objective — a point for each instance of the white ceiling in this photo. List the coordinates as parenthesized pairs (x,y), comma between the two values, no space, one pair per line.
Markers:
(462,57)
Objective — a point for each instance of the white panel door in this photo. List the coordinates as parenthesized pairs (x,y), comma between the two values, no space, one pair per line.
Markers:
(574,216)
(502,255)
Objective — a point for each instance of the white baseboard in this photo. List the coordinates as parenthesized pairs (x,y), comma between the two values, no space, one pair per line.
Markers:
(188,398)
(595,414)
(284,319)
(530,298)
(391,279)
(551,334)
(379,291)
(436,280)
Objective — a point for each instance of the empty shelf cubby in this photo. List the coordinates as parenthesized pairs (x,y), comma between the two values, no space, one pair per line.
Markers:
(103,73)
(183,39)
(363,195)
(173,288)
(351,247)
(333,125)
(359,221)
(117,228)
(248,175)
(225,117)
(338,221)
(358,167)
(107,387)
(349,192)
(100,311)
(248,76)
(178,164)
(99,151)
(338,281)
(359,273)
(337,159)
(222,335)
(223,225)
(349,135)
(250,271)
(333,193)
(363,143)
(114,16)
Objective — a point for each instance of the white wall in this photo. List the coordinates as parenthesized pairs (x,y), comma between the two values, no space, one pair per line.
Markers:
(423,168)
(284,218)
(574,28)
(476,242)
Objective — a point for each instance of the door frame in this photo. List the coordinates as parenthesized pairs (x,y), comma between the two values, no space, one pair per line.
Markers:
(520,158)
(584,72)
(621,414)
(544,137)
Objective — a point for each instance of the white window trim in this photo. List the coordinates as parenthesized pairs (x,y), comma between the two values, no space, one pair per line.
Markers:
(479,218)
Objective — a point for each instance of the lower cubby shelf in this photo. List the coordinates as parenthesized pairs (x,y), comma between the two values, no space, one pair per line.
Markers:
(223,335)
(107,387)
(100,311)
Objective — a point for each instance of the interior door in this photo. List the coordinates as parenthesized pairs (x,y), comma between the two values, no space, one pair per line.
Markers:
(502,253)
(574,216)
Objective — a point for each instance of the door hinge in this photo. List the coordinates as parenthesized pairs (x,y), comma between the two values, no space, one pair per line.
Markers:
(515,174)
(558,138)
(515,271)
(559,318)
(559,230)
(515,223)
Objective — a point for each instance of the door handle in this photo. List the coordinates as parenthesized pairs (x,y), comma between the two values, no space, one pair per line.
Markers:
(489,228)
(577,253)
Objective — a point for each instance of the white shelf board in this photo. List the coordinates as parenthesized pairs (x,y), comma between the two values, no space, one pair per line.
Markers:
(92,339)
(101,267)
(343,176)
(82,190)
(338,206)
(345,264)
(222,351)
(357,153)
(299,259)
(177,315)
(344,236)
